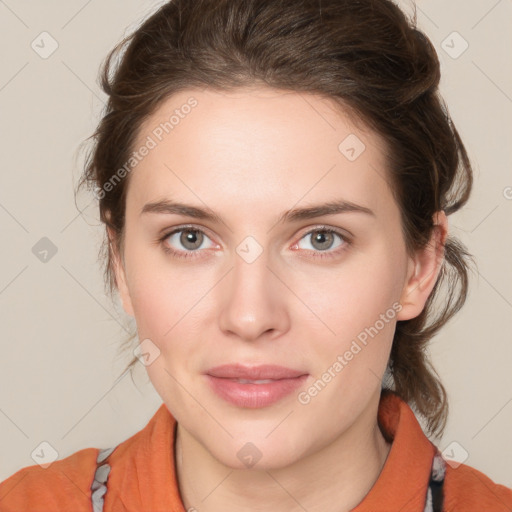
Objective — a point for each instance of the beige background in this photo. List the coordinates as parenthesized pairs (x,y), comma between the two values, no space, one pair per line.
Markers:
(59,332)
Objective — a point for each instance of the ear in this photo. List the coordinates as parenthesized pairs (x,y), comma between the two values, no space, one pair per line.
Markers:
(423,270)
(120,275)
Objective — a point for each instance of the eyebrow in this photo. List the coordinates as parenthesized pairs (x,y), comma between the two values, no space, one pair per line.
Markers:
(166,206)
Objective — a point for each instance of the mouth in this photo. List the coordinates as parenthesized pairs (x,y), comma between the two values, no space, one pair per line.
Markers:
(254,373)
(254,387)
(245,381)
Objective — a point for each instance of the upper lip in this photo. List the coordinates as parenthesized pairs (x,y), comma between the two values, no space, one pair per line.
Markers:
(262,372)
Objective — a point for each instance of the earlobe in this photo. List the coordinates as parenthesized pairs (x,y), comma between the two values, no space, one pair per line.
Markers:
(120,276)
(423,270)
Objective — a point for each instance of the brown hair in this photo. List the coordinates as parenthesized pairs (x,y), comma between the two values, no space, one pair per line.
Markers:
(367,56)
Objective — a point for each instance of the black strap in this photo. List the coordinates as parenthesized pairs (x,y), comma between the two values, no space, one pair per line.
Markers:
(435,492)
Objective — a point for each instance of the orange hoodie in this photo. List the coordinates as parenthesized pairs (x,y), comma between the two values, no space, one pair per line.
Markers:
(139,475)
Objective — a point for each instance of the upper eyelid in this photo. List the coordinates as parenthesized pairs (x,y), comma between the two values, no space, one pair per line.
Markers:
(177,229)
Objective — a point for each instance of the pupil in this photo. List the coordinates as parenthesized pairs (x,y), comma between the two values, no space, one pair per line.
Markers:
(191,237)
(322,237)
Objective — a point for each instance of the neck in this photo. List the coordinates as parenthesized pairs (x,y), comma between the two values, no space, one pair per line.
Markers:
(336,478)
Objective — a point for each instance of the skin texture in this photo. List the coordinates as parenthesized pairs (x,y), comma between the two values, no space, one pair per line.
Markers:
(250,156)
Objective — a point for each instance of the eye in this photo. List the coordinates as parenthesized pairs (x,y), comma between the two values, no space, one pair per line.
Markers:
(323,239)
(190,238)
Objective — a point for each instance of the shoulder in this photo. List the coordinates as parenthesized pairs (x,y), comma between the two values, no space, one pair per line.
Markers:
(63,485)
(67,484)
(467,489)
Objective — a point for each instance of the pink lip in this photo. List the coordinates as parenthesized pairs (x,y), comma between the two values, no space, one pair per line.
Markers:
(223,381)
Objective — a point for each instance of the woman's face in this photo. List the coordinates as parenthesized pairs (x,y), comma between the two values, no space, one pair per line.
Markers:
(257,285)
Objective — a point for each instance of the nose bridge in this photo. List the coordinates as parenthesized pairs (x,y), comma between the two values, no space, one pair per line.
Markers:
(250,273)
(251,302)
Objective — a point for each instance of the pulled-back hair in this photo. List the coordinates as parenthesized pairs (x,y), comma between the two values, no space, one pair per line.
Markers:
(367,56)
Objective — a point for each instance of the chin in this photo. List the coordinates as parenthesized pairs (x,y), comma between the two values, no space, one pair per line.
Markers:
(259,454)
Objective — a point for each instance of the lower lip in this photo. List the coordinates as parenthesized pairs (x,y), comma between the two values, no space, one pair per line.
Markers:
(254,396)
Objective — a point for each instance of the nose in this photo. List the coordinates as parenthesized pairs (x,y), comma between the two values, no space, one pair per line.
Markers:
(253,300)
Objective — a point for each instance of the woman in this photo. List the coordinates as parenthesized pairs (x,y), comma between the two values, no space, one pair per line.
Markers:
(275,180)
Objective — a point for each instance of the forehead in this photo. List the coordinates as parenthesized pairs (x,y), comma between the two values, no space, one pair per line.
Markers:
(256,146)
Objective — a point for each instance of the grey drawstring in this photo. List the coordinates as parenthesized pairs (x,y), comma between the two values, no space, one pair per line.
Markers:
(99,484)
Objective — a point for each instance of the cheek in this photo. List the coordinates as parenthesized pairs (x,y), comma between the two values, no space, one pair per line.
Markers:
(358,308)
(168,310)
(170,306)
(348,298)
(164,294)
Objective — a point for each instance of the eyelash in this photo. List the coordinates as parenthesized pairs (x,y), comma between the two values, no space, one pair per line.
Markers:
(319,254)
